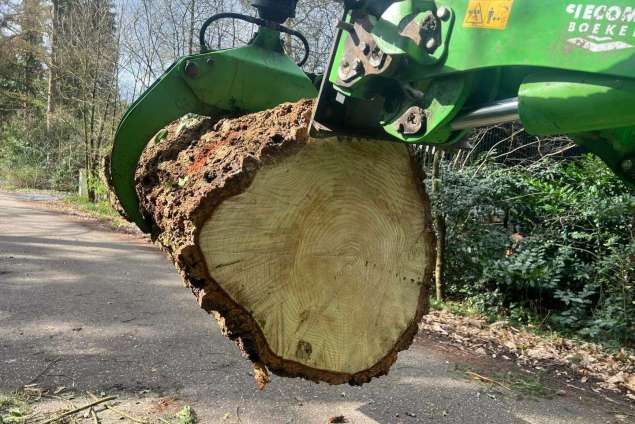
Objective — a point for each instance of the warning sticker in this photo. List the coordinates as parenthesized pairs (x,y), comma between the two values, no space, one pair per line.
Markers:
(490,14)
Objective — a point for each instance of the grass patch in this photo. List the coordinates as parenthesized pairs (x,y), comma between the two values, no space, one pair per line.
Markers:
(457,308)
(528,385)
(531,386)
(100,210)
(186,416)
(14,408)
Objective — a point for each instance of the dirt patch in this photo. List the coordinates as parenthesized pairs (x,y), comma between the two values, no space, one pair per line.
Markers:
(166,404)
(501,376)
(35,405)
(580,366)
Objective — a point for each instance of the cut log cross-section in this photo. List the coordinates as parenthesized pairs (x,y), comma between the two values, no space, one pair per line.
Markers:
(315,255)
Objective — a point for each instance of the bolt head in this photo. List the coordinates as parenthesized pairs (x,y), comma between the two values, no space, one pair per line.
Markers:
(377,57)
(365,48)
(443,13)
(431,44)
(191,70)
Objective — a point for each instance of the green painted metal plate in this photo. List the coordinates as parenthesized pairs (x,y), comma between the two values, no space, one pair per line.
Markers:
(579,36)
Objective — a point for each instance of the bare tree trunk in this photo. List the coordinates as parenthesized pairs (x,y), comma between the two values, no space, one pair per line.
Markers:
(31,33)
(440,228)
(52,82)
(288,39)
(191,32)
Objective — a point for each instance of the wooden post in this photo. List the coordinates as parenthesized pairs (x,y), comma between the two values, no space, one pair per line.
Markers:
(83,184)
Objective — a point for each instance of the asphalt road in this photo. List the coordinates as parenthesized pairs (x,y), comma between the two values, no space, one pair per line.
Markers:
(90,309)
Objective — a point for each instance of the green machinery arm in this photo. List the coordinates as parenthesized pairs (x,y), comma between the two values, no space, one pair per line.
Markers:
(245,79)
(424,71)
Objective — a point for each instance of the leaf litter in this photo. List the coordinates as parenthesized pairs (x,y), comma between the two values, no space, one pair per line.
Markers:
(576,361)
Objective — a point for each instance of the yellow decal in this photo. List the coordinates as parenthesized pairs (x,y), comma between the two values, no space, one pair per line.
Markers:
(490,14)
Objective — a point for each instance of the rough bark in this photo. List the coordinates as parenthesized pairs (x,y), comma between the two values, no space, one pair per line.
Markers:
(315,256)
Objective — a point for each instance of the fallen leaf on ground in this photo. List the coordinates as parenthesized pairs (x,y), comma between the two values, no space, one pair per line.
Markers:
(613,371)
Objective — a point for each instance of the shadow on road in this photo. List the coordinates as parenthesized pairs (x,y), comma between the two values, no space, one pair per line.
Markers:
(93,310)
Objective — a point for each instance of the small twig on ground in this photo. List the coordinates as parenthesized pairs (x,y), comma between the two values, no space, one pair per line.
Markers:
(487,379)
(238,414)
(81,408)
(611,400)
(623,413)
(26,418)
(94,415)
(120,412)
(61,398)
(48,367)
(542,323)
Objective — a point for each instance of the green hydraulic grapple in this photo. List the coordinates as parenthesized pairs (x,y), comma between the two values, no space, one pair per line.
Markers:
(419,71)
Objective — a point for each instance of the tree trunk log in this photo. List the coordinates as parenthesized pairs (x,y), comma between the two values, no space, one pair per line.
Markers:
(314,255)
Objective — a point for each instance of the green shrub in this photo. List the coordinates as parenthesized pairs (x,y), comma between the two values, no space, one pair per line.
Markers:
(572,265)
(25,177)
(30,157)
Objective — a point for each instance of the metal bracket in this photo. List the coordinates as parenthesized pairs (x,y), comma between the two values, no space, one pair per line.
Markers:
(362,56)
(423,31)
